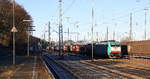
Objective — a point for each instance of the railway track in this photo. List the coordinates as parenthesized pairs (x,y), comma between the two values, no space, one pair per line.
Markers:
(58,71)
(85,71)
(133,71)
(140,63)
(141,57)
(104,68)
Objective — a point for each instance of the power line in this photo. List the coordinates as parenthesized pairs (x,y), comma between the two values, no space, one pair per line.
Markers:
(121,16)
(70,6)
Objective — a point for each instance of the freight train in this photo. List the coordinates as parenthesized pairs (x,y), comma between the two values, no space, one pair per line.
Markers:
(105,49)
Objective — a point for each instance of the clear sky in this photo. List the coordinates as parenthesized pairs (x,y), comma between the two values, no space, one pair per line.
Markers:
(114,14)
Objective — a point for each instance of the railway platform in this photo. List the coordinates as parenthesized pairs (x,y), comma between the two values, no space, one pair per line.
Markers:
(29,68)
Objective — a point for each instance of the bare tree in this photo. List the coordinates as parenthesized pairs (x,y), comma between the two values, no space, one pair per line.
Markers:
(6,20)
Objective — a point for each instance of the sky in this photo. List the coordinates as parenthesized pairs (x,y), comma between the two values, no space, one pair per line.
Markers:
(114,14)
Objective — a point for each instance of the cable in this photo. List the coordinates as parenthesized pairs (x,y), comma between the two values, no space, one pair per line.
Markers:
(70,6)
(116,18)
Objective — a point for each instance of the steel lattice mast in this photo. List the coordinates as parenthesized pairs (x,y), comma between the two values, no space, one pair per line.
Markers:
(130,33)
(49,34)
(60,28)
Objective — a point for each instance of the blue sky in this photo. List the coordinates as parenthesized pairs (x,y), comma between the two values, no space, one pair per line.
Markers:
(113,14)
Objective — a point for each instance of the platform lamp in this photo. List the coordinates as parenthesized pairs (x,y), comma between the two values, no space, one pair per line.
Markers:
(28,46)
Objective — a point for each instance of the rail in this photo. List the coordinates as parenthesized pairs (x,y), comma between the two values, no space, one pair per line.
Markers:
(58,71)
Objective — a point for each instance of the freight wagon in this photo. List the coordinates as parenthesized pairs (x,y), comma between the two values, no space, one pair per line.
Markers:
(74,48)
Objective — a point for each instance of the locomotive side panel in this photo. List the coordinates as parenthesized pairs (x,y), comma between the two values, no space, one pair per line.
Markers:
(101,51)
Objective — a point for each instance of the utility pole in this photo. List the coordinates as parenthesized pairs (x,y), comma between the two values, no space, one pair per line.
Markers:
(145,31)
(130,33)
(44,37)
(14,47)
(28,47)
(68,34)
(41,41)
(68,31)
(60,28)
(97,36)
(14,30)
(107,33)
(84,38)
(88,34)
(49,34)
(114,35)
(92,29)
(77,33)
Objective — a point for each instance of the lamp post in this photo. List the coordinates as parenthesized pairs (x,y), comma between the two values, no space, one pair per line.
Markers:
(14,30)
(28,46)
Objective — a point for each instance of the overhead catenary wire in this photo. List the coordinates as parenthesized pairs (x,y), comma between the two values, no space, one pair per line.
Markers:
(122,16)
(107,21)
(69,7)
(128,14)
